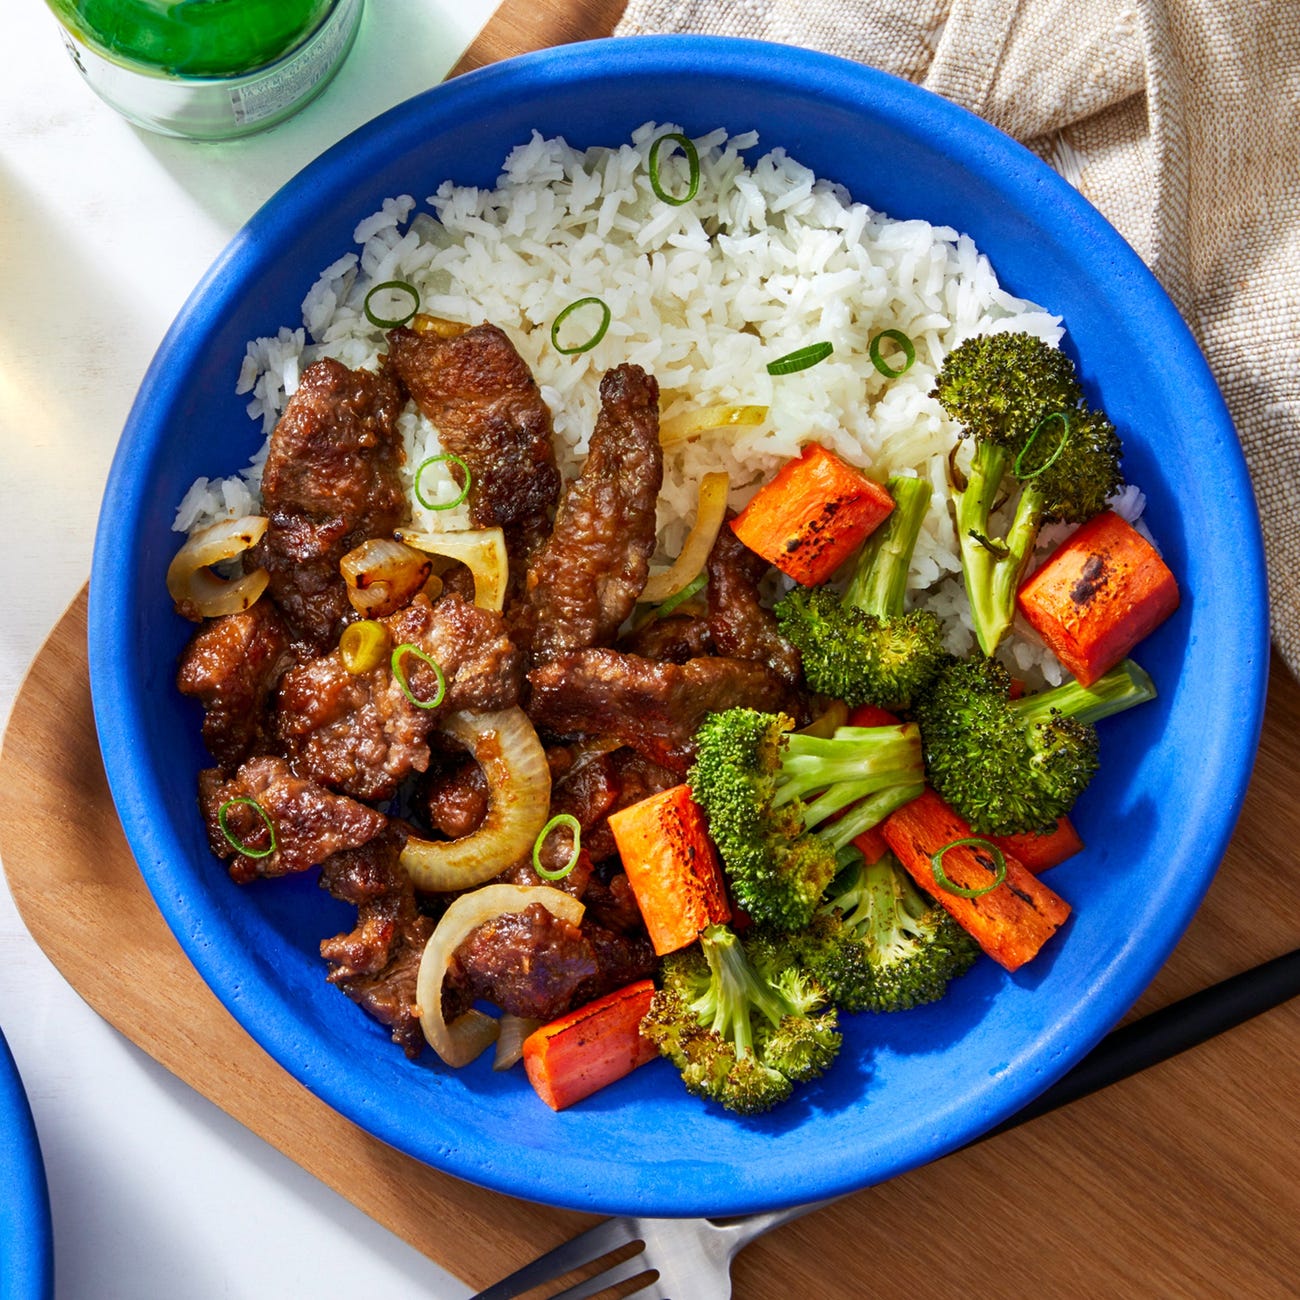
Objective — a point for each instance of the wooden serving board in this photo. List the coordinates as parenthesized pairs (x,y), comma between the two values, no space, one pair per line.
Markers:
(1181,1182)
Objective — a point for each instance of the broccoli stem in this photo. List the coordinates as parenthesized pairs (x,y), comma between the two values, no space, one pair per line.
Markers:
(984,558)
(878,585)
(1124,686)
(734,990)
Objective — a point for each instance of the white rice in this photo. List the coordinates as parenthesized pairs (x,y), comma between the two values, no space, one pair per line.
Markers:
(766,259)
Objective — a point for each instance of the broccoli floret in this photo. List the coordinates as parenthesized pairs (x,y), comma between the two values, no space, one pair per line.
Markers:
(742,1024)
(1020,400)
(1011,766)
(768,796)
(879,944)
(863,646)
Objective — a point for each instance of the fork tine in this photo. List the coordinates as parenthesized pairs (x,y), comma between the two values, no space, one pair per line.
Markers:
(599,1240)
(623,1272)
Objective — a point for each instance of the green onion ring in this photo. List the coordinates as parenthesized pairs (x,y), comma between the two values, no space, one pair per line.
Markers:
(560,819)
(409,648)
(936,865)
(901,340)
(434,460)
(567,312)
(692,161)
(391,284)
(692,588)
(1017,468)
(801,359)
(238,845)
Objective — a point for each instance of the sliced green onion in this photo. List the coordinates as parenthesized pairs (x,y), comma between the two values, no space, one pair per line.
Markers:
(399,286)
(999,872)
(902,341)
(408,648)
(692,588)
(238,845)
(692,161)
(1018,469)
(595,337)
(801,359)
(560,819)
(437,460)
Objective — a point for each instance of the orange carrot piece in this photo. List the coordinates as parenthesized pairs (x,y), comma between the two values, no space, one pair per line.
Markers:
(871,715)
(1098,595)
(672,867)
(812,516)
(1038,850)
(1011,922)
(581,1052)
(871,844)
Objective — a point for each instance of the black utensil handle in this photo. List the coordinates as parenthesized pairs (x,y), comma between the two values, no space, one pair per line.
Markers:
(1163,1034)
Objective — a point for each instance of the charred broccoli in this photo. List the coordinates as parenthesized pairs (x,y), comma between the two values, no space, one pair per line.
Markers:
(879,944)
(1011,766)
(1020,400)
(863,646)
(766,792)
(742,1023)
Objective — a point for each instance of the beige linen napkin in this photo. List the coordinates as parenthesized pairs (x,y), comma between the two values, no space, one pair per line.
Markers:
(1178,119)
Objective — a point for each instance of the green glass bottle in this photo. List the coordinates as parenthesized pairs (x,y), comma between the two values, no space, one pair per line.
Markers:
(207,69)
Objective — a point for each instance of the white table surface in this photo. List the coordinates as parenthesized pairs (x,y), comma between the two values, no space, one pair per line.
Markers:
(104,230)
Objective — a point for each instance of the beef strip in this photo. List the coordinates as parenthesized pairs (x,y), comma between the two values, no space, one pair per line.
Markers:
(311,823)
(585,580)
(654,707)
(481,397)
(359,733)
(740,625)
(331,481)
(675,638)
(376,963)
(231,666)
(533,964)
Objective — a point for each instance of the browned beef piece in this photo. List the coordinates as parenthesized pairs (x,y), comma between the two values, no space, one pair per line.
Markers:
(359,733)
(654,707)
(311,823)
(612,905)
(331,481)
(530,963)
(673,639)
(231,666)
(376,963)
(585,581)
(481,397)
(635,777)
(740,625)
(456,799)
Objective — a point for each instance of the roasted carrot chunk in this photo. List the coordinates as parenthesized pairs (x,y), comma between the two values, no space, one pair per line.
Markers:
(1097,596)
(812,516)
(1013,920)
(1038,850)
(582,1052)
(672,867)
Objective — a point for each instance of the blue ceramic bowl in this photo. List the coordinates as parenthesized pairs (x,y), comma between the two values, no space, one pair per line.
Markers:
(26,1244)
(907,1088)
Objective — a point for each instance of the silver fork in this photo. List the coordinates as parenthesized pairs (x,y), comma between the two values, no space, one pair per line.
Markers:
(683,1259)
(690,1259)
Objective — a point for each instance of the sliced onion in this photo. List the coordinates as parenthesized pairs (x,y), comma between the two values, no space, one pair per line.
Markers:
(825,724)
(461,1041)
(201,593)
(506,747)
(709,514)
(382,575)
(690,424)
(482,550)
(438,326)
(510,1039)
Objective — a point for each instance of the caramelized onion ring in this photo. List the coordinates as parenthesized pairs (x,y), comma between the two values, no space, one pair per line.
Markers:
(382,575)
(709,514)
(197,591)
(469,1034)
(482,550)
(506,747)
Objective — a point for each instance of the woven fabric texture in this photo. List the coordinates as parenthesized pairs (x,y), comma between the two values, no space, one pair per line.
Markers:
(1178,119)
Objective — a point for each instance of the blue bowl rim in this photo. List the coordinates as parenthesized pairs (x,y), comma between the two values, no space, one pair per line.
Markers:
(121,718)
